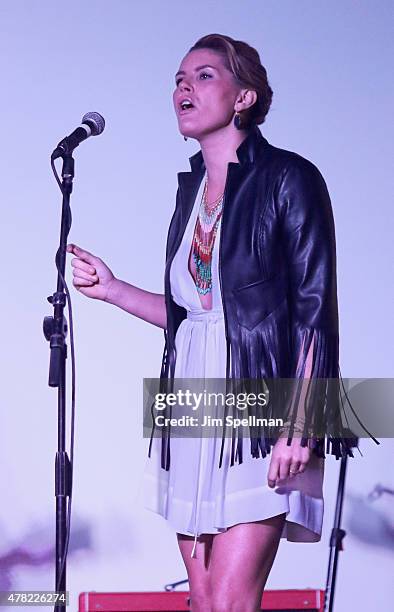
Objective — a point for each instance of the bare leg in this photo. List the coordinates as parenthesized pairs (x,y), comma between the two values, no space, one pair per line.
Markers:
(240,562)
(197,569)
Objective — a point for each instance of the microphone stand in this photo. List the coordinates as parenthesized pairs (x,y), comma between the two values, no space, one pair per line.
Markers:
(337,534)
(55,331)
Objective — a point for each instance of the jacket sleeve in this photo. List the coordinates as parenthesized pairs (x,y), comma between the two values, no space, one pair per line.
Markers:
(308,237)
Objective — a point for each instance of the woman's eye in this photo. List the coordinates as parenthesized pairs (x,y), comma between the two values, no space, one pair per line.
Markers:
(202,74)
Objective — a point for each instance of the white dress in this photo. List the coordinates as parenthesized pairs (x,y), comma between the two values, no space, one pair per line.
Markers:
(195,495)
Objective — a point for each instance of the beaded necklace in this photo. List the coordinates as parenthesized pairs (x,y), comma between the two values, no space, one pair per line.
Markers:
(204,239)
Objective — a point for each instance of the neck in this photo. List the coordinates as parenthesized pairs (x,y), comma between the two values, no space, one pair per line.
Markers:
(218,149)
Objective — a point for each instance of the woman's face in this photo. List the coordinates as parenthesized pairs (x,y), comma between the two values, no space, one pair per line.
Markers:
(204,81)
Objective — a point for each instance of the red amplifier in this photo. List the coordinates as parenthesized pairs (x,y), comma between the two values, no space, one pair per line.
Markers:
(289,600)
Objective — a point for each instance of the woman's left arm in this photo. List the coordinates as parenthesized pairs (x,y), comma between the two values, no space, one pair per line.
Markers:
(308,237)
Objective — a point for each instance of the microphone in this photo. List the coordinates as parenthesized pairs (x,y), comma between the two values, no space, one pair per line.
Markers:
(92,124)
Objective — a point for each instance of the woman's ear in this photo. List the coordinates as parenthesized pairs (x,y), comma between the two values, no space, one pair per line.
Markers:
(246,99)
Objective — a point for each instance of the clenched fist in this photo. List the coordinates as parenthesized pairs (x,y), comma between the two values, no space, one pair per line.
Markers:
(92,276)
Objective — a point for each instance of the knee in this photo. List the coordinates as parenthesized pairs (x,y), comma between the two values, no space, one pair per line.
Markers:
(200,600)
(231,602)
(221,606)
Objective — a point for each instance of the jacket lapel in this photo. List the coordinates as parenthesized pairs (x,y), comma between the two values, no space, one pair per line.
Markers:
(189,183)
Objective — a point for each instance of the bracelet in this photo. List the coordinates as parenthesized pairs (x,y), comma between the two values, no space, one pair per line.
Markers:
(296,429)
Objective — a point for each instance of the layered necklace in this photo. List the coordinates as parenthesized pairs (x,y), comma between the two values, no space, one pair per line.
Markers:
(204,240)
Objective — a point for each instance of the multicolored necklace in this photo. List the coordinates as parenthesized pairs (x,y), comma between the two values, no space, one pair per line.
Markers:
(204,240)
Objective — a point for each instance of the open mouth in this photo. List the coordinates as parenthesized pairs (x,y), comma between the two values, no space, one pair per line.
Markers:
(186,105)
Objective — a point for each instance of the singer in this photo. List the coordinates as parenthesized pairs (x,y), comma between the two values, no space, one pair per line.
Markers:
(250,291)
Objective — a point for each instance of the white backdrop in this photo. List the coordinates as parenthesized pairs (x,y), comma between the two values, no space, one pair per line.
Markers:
(328,64)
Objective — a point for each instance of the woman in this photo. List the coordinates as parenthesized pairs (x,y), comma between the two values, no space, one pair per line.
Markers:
(250,291)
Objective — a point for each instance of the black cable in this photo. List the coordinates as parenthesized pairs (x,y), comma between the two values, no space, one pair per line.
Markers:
(56,175)
(354,412)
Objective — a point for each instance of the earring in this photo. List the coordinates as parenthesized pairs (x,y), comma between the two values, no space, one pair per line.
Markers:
(238,121)
(185,138)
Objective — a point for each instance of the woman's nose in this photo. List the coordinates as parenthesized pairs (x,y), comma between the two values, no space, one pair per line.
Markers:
(184,85)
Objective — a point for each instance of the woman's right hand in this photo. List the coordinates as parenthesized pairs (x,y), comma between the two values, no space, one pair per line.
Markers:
(92,277)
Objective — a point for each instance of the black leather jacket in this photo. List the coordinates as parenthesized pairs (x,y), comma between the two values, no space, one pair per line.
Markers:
(277,270)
